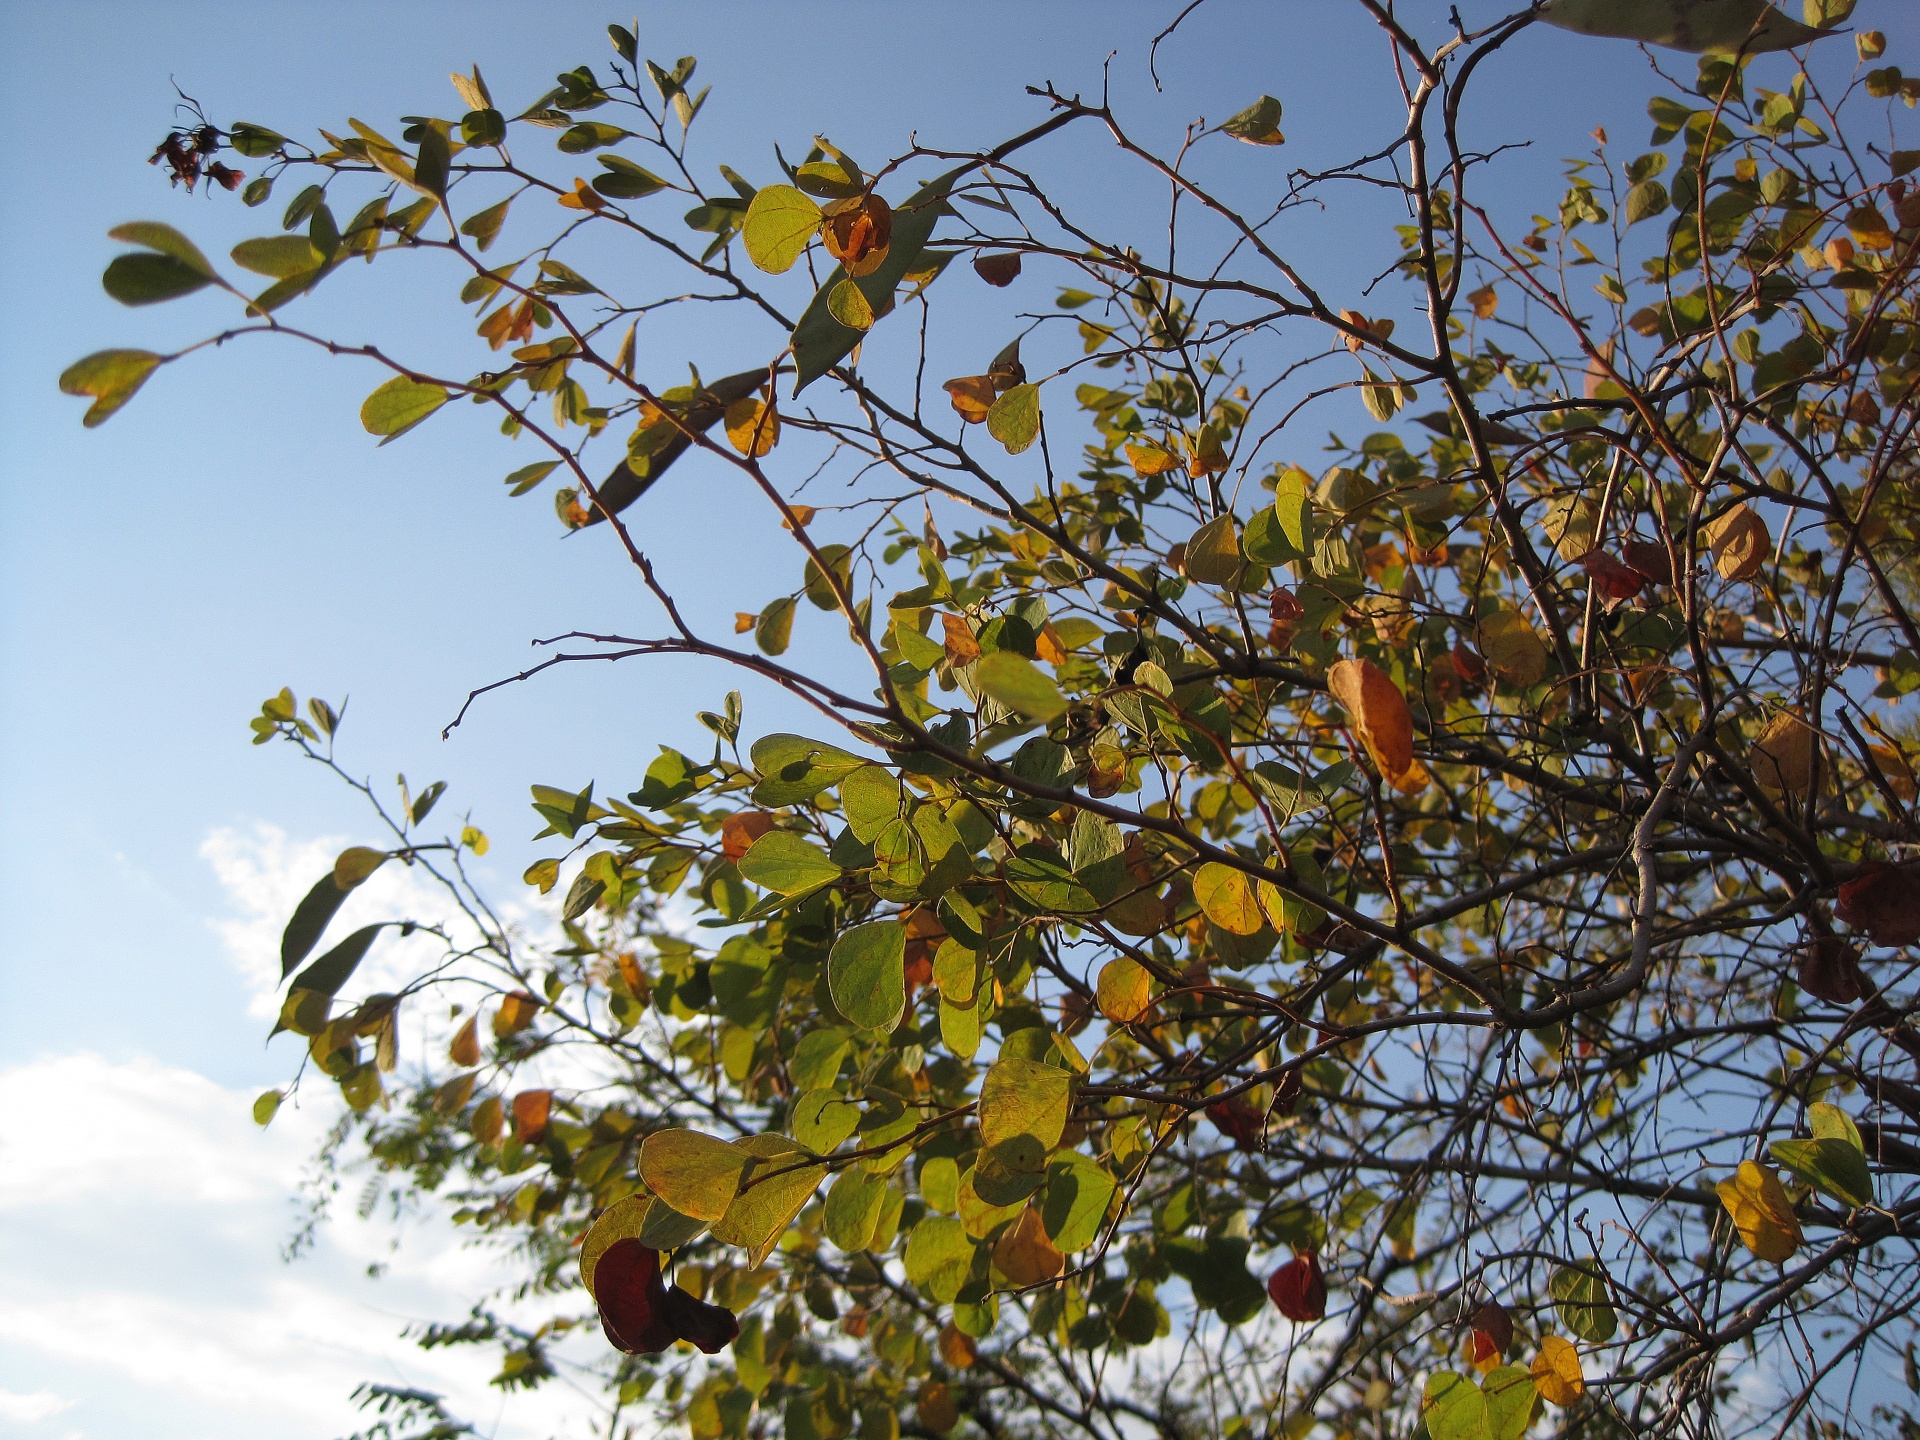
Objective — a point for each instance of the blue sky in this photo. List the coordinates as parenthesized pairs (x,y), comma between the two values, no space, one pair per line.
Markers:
(233,531)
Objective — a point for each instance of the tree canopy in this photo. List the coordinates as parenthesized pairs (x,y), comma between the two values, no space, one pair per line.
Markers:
(1404,933)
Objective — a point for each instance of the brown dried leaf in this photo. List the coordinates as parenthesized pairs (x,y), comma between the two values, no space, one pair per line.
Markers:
(998,270)
(1739,542)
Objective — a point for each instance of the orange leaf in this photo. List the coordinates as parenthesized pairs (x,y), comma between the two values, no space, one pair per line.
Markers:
(753,426)
(962,648)
(1047,645)
(739,831)
(1024,1254)
(465,1049)
(1485,301)
(1378,714)
(583,197)
(858,232)
(516,1012)
(972,397)
(531,1110)
(743,621)
(1151,458)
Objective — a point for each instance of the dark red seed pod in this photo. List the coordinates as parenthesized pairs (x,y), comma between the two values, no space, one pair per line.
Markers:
(633,1299)
(1298,1288)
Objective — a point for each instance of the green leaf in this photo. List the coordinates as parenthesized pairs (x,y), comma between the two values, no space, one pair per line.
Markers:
(939,1257)
(839,560)
(256,142)
(333,969)
(1833,1165)
(782,861)
(794,768)
(871,800)
(1830,1122)
(147,279)
(1581,1296)
(848,304)
(1015,682)
(528,476)
(773,631)
(278,256)
(266,1107)
(485,126)
(1014,418)
(823,1118)
(1454,1409)
(111,377)
(1510,1396)
(399,405)
(1023,1098)
(853,1208)
(816,1059)
(167,241)
(483,226)
(1213,553)
(309,922)
(435,160)
(821,342)
(1078,1193)
(1258,124)
(590,135)
(696,1174)
(866,973)
(1645,200)
(625,180)
(780,223)
(763,1209)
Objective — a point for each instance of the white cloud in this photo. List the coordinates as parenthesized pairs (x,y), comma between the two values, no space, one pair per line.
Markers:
(25,1409)
(139,1270)
(266,874)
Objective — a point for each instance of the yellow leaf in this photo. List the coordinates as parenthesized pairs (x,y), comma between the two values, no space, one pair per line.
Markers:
(1151,458)
(355,865)
(1556,1372)
(1893,765)
(1761,1212)
(1513,651)
(1869,229)
(1227,897)
(753,426)
(1485,301)
(696,1174)
(1786,756)
(1125,990)
(961,646)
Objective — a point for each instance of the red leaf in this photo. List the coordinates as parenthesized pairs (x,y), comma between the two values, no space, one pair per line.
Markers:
(1298,1288)
(1492,1320)
(1614,582)
(1467,661)
(1286,1094)
(1241,1124)
(1884,901)
(1651,559)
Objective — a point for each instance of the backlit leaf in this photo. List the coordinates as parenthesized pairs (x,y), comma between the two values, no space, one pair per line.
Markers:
(697,1174)
(867,974)
(111,377)
(1016,683)
(399,405)
(1023,1098)
(784,862)
(1014,418)
(1227,897)
(1556,1372)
